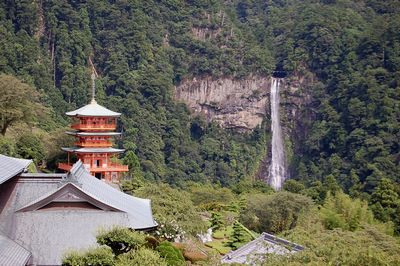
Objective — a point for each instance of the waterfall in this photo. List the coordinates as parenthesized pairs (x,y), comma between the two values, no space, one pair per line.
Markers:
(277,167)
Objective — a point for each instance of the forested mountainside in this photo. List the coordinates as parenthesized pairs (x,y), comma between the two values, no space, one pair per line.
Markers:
(347,51)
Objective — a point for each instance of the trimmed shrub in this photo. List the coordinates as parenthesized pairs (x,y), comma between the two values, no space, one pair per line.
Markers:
(140,257)
(171,254)
(121,240)
(101,256)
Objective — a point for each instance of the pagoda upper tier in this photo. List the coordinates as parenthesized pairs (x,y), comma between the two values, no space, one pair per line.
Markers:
(94,117)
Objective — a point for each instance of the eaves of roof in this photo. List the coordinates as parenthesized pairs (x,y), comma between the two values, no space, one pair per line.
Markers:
(11,253)
(93,109)
(10,167)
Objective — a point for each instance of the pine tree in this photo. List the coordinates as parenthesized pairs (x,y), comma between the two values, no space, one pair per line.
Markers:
(385,200)
(216,221)
(239,236)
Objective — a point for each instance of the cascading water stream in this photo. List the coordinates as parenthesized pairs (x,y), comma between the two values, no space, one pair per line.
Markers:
(277,167)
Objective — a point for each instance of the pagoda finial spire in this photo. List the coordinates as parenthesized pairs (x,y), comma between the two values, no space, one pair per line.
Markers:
(94,75)
(93,87)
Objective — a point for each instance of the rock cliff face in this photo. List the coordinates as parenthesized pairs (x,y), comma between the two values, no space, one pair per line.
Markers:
(205,33)
(233,103)
(296,104)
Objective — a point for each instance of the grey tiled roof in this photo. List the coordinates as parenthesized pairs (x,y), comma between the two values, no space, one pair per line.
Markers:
(12,254)
(10,167)
(68,191)
(93,109)
(138,210)
(253,252)
(95,150)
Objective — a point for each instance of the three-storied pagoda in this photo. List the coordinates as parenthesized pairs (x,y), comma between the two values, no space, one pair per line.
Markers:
(94,127)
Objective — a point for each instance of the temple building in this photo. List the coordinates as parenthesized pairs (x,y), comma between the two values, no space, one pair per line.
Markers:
(43,216)
(94,128)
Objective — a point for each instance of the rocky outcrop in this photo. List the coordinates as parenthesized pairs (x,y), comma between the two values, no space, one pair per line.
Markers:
(244,103)
(232,103)
(205,33)
(296,105)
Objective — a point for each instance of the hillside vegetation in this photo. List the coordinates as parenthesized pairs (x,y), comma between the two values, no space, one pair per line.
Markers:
(141,49)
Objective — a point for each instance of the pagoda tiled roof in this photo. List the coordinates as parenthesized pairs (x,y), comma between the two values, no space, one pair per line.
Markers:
(91,133)
(93,109)
(93,150)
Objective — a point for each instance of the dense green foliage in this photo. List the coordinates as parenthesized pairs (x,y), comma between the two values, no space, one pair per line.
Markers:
(353,49)
(341,232)
(173,210)
(216,221)
(119,247)
(366,246)
(239,236)
(171,254)
(385,203)
(125,247)
(140,257)
(209,197)
(340,211)
(104,257)
(274,213)
(97,256)
(121,240)
(346,140)
(18,103)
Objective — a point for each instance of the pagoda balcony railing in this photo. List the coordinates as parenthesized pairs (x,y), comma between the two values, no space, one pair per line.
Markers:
(94,126)
(110,168)
(64,166)
(93,144)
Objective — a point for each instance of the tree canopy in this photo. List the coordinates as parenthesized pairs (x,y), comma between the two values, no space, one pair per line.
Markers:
(19,102)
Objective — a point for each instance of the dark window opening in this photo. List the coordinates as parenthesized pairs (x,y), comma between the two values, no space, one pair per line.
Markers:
(69,205)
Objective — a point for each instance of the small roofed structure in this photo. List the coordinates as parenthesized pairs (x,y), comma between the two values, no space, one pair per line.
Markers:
(254,252)
(50,214)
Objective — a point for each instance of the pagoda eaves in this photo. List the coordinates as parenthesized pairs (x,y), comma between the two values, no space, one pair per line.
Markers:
(92,133)
(92,150)
(93,109)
